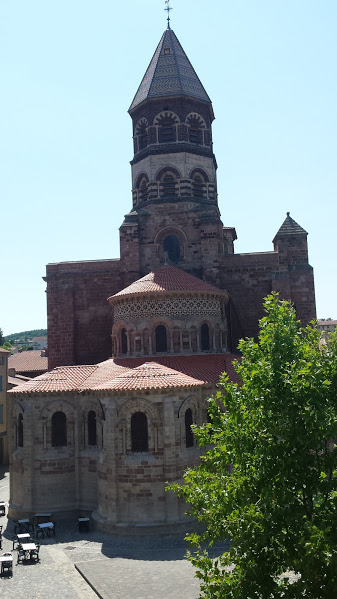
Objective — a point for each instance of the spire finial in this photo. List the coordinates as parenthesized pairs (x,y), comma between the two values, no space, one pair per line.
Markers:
(168,8)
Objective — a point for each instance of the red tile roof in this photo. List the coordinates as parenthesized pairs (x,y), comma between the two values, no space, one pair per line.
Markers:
(167,278)
(63,378)
(28,361)
(135,373)
(150,376)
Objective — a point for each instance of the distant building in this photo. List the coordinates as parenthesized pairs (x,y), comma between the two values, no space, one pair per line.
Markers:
(30,363)
(327,325)
(39,342)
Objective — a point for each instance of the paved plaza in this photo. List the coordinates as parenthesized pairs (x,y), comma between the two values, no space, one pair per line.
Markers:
(86,565)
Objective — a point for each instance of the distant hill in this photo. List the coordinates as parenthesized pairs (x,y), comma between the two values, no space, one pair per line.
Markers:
(25,335)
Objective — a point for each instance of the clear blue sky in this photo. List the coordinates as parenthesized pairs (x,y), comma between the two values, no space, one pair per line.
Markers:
(69,72)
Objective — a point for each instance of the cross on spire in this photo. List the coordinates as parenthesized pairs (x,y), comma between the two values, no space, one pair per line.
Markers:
(168,8)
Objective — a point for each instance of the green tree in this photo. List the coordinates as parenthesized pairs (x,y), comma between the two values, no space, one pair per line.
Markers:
(1,337)
(267,481)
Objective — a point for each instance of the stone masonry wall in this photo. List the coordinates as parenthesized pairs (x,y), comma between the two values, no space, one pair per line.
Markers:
(79,316)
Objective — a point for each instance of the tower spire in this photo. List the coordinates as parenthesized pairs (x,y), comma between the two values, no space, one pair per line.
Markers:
(168,8)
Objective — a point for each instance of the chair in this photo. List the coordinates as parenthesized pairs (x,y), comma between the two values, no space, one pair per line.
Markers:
(21,554)
(34,554)
(7,565)
(15,541)
(83,524)
(39,531)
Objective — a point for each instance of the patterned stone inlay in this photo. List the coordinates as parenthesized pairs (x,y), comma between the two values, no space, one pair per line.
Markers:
(166,307)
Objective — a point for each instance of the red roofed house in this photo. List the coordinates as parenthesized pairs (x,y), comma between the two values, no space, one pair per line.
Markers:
(30,363)
(102,434)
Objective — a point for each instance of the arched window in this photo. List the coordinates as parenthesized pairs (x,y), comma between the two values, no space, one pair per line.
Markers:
(92,433)
(189,439)
(124,342)
(143,191)
(197,186)
(167,130)
(204,335)
(58,429)
(196,125)
(171,245)
(143,139)
(139,432)
(169,186)
(20,430)
(161,338)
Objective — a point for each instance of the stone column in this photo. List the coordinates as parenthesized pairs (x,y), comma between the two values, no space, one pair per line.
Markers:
(171,341)
(198,342)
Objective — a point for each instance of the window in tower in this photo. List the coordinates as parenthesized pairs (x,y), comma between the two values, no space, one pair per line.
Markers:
(139,432)
(169,186)
(141,133)
(143,138)
(197,186)
(161,338)
(189,439)
(204,337)
(143,191)
(167,131)
(171,245)
(196,125)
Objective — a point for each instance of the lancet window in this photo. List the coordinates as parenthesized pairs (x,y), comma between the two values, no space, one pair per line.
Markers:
(20,431)
(161,338)
(189,439)
(204,337)
(139,432)
(58,429)
(171,246)
(92,431)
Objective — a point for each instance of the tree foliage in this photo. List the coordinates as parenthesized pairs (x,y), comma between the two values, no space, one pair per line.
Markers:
(267,481)
(25,335)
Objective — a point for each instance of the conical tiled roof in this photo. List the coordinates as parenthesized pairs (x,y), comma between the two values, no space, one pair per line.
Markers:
(169,73)
(150,375)
(290,227)
(165,279)
(133,373)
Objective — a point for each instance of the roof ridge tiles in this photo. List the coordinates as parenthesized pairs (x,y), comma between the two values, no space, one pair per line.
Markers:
(166,279)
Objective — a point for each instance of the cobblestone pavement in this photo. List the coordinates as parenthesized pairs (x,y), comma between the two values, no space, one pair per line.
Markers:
(87,565)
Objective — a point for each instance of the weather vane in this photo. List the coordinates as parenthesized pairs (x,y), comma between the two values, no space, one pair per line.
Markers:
(168,8)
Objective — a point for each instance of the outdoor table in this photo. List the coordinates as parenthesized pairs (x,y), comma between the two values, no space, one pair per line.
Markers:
(28,548)
(42,517)
(21,538)
(83,524)
(46,527)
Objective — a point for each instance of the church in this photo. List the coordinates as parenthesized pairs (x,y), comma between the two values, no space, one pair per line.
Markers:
(137,344)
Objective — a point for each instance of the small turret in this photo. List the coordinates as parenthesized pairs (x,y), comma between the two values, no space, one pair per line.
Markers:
(291,243)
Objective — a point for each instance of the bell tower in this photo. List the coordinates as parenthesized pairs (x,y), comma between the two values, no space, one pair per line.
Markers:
(174,217)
